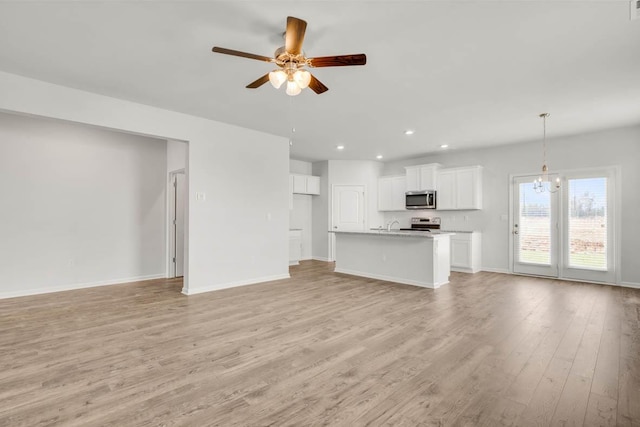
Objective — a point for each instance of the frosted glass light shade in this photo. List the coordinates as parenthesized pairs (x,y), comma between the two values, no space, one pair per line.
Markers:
(302,78)
(277,77)
(292,88)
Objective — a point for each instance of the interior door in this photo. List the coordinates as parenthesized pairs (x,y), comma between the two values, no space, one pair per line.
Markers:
(180,187)
(347,212)
(535,229)
(348,208)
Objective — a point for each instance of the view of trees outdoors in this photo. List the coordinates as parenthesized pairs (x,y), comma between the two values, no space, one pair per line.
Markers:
(588,223)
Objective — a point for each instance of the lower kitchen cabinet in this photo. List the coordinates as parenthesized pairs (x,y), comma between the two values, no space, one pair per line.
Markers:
(466,250)
(295,246)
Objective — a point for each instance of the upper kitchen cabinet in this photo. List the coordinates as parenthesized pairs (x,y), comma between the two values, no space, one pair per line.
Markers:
(306,184)
(391,191)
(422,177)
(459,188)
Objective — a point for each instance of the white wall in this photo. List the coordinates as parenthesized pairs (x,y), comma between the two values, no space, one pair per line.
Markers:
(81,206)
(301,214)
(242,173)
(616,147)
(320,213)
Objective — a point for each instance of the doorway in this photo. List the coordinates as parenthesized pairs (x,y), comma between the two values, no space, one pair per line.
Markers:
(177,223)
(570,233)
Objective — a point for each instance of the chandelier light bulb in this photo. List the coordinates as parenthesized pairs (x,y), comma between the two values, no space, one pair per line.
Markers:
(277,78)
(302,78)
(292,88)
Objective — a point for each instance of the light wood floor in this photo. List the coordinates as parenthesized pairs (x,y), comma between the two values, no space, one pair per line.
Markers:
(324,349)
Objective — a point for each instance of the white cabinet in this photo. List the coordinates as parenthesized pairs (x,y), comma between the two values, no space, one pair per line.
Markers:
(391,191)
(466,252)
(306,184)
(422,177)
(459,188)
(295,246)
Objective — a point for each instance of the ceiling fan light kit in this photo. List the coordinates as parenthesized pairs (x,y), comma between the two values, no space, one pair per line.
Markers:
(291,61)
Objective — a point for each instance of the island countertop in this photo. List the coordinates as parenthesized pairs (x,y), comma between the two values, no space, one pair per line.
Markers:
(401,233)
(416,258)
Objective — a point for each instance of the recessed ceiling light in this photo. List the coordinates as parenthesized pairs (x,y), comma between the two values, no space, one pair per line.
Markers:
(379,156)
(340,147)
(408,132)
(444,146)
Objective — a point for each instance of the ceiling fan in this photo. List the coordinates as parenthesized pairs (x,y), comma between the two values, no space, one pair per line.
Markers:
(292,61)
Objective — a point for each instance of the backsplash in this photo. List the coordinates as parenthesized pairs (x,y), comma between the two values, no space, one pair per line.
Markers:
(451,220)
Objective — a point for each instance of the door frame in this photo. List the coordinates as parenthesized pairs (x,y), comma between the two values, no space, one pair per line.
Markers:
(170,266)
(616,172)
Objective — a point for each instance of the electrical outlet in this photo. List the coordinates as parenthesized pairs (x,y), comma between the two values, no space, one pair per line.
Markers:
(201,196)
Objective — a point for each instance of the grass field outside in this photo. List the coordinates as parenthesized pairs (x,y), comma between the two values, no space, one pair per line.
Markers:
(588,241)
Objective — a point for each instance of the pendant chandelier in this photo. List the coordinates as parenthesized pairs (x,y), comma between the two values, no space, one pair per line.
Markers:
(542,183)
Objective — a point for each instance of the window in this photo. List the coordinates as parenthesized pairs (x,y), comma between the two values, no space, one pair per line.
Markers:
(587,223)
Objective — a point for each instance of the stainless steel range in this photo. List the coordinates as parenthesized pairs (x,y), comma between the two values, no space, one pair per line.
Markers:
(424,224)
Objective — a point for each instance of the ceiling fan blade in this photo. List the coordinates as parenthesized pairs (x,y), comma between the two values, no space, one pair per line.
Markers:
(317,86)
(338,61)
(294,35)
(241,54)
(262,80)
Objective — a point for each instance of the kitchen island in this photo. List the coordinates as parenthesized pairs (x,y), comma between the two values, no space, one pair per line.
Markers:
(409,257)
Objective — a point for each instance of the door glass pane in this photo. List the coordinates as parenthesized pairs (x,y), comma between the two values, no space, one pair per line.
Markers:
(534,226)
(588,223)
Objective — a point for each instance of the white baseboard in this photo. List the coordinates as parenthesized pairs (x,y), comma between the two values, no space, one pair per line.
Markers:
(464,270)
(75,286)
(235,284)
(294,262)
(630,285)
(495,270)
(389,278)
(318,258)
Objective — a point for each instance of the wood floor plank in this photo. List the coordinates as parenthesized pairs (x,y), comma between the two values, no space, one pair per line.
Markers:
(324,349)
(605,376)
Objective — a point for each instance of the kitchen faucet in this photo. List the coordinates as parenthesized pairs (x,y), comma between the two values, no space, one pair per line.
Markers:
(395,221)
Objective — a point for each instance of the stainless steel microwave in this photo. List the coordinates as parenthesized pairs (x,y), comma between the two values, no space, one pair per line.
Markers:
(420,199)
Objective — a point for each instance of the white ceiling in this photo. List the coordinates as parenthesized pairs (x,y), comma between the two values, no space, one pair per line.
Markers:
(463,73)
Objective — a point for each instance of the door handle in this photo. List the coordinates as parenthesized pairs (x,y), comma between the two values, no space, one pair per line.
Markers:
(515,232)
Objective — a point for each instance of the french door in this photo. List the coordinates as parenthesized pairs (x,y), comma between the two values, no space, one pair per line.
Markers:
(567,234)
(535,229)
